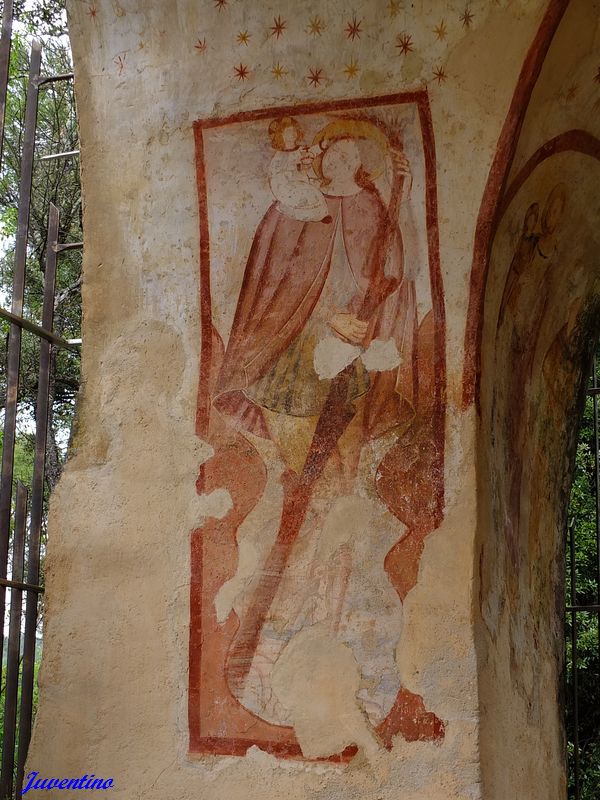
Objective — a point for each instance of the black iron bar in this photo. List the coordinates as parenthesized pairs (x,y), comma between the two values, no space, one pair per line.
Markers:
(574,660)
(37,497)
(5,42)
(66,154)
(38,330)
(28,587)
(44,81)
(14,341)
(11,688)
(592,608)
(595,389)
(59,247)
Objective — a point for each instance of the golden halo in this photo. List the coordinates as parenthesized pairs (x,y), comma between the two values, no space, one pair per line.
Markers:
(351,129)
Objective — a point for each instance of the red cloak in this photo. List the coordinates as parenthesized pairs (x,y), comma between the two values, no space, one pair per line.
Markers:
(286,270)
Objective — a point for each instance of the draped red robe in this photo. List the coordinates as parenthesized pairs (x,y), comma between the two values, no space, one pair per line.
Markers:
(286,270)
(285,274)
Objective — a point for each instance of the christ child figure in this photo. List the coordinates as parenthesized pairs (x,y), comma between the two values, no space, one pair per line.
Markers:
(296,194)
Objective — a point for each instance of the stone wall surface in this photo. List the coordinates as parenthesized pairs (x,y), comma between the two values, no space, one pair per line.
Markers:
(300,548)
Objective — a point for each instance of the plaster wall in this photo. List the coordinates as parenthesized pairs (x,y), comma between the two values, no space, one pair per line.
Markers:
(114,679)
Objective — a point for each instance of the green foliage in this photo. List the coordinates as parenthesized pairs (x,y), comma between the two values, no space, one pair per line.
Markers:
(23,461)
(34,701)
(58,182)
(583,566)
(42,16)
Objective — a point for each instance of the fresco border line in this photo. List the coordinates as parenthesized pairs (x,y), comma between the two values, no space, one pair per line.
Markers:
(489,212)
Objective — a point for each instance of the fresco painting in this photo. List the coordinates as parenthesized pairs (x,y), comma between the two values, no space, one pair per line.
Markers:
(522,311)
(539,322)
(322,392)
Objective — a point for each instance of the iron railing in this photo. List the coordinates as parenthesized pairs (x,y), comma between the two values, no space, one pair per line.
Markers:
(21,515)
(583,592)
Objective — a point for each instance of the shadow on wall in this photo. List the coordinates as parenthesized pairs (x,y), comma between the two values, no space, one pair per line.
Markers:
(541,322)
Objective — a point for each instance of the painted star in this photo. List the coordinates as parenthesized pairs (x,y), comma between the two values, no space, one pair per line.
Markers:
(201,45)
(353,29)
(278,72)
(243,37)
(315,76)
(241,72)
(439,74)
(404,43)
(394,8)
(119,61)
(315,26)
(351,69)
(278,27)
(92,11)
(440,31)
(467,17)
(597,76)
(220,4)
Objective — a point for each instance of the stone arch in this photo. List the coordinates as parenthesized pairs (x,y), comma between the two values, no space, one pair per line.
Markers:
(532,322)
(541,318)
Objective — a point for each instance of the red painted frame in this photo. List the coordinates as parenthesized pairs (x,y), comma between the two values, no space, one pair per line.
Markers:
(200,743)
(490,211)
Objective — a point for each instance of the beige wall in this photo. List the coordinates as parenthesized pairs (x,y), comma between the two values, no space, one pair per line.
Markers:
(114,678)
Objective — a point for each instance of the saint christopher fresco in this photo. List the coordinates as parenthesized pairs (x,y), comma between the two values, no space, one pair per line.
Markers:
(325,386)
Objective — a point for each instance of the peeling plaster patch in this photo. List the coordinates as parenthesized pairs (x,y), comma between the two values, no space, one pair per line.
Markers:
(348,519)
(254,538)
(216,504)
(332,355)
(381,355)
(248,560)
(318,768)
(316,677)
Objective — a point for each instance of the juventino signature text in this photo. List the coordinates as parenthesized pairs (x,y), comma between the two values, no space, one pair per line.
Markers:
(85,782)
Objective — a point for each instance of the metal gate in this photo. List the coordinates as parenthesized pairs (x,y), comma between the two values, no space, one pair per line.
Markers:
(21,506)
(583,606)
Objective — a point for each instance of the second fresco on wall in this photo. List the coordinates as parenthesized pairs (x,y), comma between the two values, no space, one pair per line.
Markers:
(322,386)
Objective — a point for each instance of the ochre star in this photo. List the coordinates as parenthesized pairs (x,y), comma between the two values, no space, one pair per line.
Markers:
(467,17)
(351,69)
(92,11)
(353,29)
(241,72)
(315,26)
(243,37)
(220,4)
(278,27)
(439,74)
(440,31)
(404,43)
(315,76)
(394,8)
(278,71)
(201,45)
